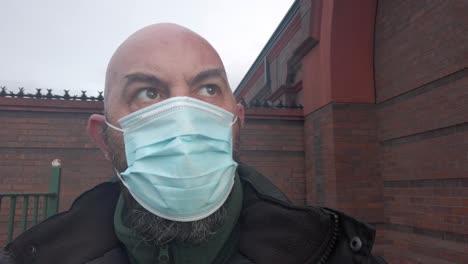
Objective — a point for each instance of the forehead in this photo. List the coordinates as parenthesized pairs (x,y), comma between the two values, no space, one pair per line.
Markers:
(172,54)
(167,51)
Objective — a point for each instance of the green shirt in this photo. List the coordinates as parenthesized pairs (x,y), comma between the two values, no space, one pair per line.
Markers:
(219,247)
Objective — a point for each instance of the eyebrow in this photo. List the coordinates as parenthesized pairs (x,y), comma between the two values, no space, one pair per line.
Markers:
(143,77)
(156,81)
(212,73)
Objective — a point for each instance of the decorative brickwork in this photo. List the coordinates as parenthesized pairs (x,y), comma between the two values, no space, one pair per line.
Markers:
(39,95)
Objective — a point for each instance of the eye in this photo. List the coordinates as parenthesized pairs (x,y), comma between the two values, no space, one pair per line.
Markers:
(209,90)
(148,94)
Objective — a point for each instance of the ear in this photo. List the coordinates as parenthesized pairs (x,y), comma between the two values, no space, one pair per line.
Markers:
(95,125)
(240,114)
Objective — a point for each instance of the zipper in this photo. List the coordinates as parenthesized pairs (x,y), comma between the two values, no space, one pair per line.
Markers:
(331,244)
(164,255)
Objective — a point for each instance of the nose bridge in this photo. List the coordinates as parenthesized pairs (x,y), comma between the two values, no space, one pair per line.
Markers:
(180,88)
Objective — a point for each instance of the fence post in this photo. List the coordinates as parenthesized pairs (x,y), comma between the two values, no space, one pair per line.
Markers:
(11,218)
(54,188)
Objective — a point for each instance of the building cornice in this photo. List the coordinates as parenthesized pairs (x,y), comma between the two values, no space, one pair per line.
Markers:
(293,10)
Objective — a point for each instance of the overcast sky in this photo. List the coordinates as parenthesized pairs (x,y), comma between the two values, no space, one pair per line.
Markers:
(63,44)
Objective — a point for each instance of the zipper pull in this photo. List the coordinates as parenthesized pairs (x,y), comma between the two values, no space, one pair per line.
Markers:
(164,255)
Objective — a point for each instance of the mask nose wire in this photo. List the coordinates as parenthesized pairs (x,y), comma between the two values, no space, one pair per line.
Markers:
(113,127)
(121,130)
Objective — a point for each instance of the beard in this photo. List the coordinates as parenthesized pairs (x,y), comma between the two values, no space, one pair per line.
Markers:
(152,229)
(155,230)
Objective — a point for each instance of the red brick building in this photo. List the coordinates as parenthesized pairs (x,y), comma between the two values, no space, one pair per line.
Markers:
(384,90)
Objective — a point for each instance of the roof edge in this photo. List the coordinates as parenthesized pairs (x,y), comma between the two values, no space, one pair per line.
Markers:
(271,41)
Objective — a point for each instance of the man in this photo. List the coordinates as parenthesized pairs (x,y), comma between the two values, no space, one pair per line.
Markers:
(171,128)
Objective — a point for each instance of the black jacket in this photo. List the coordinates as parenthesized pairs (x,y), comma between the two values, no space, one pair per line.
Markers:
(271,230)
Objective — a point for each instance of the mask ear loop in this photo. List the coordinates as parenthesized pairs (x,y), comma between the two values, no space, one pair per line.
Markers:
(113,127)
(234,121)
(120,178)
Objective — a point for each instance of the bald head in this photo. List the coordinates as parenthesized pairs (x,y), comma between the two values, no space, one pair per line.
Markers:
(155,38)
(166,58)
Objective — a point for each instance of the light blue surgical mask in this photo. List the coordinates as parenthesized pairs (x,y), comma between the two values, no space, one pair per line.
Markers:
(179,156)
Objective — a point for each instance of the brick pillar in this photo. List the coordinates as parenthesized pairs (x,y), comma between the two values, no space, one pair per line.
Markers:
(340,127)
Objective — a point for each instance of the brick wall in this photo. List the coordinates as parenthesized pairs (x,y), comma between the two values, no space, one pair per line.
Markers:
(342,168)
(421,78)
(37,131)
(272,141)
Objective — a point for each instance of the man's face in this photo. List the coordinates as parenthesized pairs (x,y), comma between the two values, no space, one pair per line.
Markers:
(153,65)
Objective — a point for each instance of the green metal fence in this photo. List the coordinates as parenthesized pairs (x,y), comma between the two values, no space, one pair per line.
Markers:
(49,202)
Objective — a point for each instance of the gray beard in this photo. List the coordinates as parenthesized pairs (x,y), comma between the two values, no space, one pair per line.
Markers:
(155,230)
